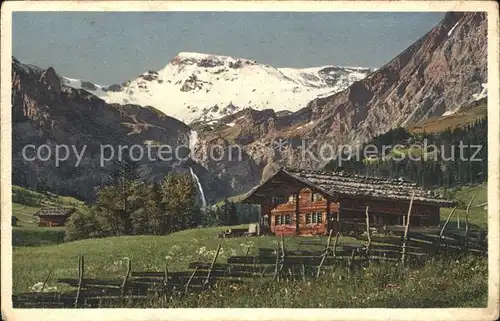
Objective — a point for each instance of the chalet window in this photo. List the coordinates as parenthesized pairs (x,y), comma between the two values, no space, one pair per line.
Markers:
(291,199)
(314,218)
(279,200)
(316,197)
(283,219)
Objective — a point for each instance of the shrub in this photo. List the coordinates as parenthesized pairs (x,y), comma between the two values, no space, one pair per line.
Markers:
(82,225)
(37,237)
(127,207)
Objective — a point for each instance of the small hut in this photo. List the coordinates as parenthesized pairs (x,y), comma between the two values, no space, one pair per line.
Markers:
(54,216)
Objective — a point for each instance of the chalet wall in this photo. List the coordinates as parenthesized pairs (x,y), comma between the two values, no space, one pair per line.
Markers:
(389,212)
(56,220)
(306,205)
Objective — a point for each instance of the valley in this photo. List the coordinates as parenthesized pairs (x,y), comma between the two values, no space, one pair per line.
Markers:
(189,186)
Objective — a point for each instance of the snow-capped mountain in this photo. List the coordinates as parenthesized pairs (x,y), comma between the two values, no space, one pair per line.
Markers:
(195,86)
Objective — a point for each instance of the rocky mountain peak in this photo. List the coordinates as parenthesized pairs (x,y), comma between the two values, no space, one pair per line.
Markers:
(203,60)
(50,78)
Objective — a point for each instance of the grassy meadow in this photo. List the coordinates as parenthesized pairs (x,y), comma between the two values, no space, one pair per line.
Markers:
(478,213)
(106,257)
(438,283)
(441,123)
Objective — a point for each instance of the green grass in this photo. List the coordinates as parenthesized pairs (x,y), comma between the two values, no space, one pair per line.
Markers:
(437,284)
(235,199)
(37,236)
(104,257)
(26,196)
(442,123)
(478,216)
(24,214)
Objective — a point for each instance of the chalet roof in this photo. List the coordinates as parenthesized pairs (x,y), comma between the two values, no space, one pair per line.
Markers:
(55,211)
(342,184)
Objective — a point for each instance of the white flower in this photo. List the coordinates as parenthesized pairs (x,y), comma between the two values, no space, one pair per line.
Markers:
(37,287)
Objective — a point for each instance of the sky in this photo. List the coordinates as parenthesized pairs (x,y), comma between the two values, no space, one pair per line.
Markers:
(111,47)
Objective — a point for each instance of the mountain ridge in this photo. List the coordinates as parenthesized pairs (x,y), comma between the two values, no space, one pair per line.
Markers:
(198,86)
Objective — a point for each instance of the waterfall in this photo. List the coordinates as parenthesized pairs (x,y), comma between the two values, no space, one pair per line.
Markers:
(200,188)
(193,140)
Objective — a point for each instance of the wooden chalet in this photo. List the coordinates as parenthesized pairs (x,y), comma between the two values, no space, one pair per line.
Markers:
(54,216)
(309,203)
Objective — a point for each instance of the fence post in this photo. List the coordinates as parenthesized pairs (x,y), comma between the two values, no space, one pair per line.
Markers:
(46,280)
(212,265)
(80,279)
(166,274)
(282,253)
(368,233)
(407,228)
(325,254)
(444,226)
(335,244)
(277,262)
(254,267)
(246,255)
(350,262)
(189,281)
(127,275)
(466,236)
